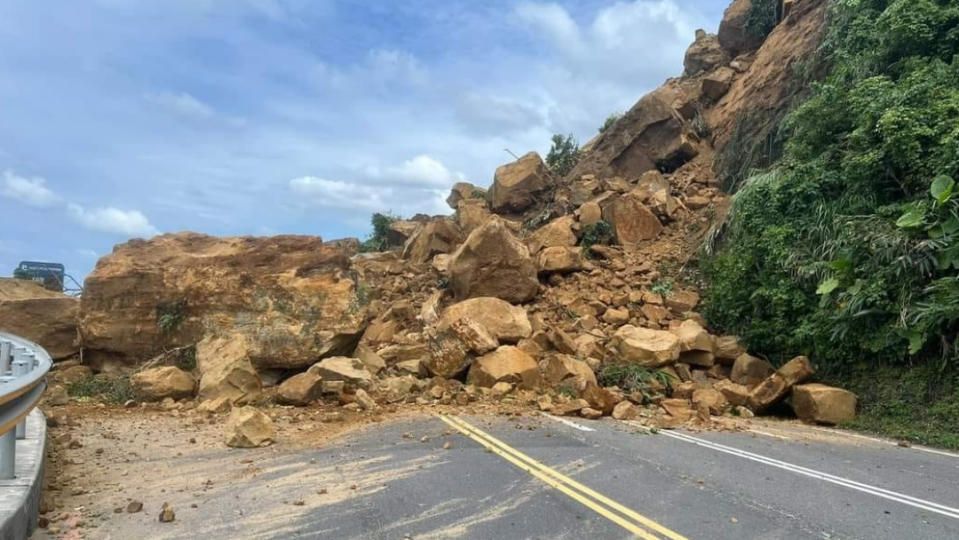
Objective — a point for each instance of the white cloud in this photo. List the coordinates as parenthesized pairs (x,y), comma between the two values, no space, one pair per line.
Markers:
(182,103)
(422,170)
(553,20)
(113,220)
(339,194)
(29,191)
(88,253)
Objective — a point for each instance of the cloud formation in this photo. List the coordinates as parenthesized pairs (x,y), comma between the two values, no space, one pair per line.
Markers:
(29,191)
(129,223)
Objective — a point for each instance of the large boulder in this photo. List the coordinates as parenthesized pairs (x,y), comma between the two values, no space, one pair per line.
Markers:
(517,185)
(492,262)
(734,35)
(566,370)
(226,370)
(155,384)
(464,191)
(749,370)
(471,214)
(300,390)
(704,54)
(45,317)
(693,337)
(823,404)
(435,237)
(651,135)
(558,232)
(504,322)
(293,297)
(559,260)
(776,386)
(340,368)
(632,221)
(247,427)
(399,231)
(645,346)
(717,83)
(505,364)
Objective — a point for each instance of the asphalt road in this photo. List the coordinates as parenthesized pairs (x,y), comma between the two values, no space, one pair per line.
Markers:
(544,477)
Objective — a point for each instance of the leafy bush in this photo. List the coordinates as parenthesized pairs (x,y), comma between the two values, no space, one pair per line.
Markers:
(114,390)
(377,240)
(600,232)
(610,120)
(563,154)
(633,378)
(762,17)
(662,286)
(848,249)
(170,315)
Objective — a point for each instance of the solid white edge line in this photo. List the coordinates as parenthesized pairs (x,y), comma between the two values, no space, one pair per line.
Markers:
(919,447)
(569,423)
(812,473)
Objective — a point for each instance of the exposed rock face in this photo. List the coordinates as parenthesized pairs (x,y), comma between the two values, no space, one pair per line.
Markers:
(733,35)
(247,427)
(504,322)
(226,371)
(45,317)
(155,384)
(400,231)
(464,191)
(645,346)
(823,404)
(492,262)
(777,385)
(758,98)
(704,54)
(566,370)
(435,237)
(651,134)
(291,296)
(300,389)
(505,364)
(716,84)
(631,220)
(516,185)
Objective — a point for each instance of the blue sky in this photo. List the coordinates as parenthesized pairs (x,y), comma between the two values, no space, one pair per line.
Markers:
(128,118)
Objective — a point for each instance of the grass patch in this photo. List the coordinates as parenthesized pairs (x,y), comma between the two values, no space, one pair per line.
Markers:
(633,378)
(919,404)
(116,390)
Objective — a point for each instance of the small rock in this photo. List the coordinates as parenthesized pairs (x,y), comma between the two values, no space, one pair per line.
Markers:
(135,506)
(166,514)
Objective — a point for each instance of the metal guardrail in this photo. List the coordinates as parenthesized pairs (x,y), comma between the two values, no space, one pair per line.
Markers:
(23,365)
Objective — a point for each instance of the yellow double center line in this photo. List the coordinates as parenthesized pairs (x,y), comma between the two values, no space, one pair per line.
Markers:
(630,520)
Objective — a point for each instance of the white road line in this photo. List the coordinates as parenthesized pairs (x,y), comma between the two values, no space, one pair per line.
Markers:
(813,473)
(768,434)
(885,441)
(569,423)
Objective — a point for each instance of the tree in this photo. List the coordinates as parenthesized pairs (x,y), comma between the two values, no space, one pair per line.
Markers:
(563,155)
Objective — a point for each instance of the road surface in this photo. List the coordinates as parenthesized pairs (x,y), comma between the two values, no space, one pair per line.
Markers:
(545,477)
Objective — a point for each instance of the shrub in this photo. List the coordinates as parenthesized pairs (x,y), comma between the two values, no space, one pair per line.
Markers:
(762,17)
(377,240)
(600,232)
(114,390)
(563,154)
(610,120)
(170,315)
(633,378)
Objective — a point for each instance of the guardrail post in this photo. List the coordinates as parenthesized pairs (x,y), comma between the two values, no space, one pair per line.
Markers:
(8,451)
(21,366)
(6,352)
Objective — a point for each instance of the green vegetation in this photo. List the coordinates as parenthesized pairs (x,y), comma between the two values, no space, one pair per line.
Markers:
(377,240)
(114,390)
(600,233)
(634,378)
(662,286)
(701,126)
(610,120)
(563,154)
(567,391)
(170,315)
(762,18)
(847,250)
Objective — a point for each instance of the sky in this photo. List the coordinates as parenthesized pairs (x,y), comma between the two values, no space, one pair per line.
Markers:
(125,119)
